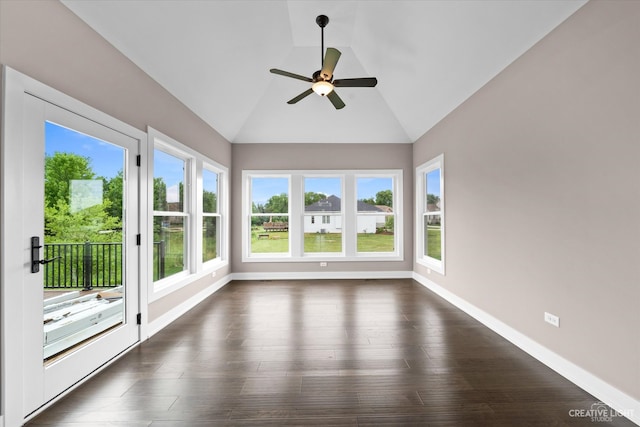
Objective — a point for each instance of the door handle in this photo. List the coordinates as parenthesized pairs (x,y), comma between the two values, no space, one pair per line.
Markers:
(35,255)
(47,261)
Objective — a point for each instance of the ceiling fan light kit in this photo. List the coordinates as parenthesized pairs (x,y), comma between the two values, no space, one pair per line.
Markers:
(322,80)
(322,87)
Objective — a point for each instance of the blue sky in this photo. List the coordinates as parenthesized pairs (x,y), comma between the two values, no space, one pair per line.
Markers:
(433,182)
(171,170)
(264,188)
(106,159)
(368,187)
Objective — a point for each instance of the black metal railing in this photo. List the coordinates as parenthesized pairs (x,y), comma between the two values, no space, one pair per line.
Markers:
(159,255)
(85,265)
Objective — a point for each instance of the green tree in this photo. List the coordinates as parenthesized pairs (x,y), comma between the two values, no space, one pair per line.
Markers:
(92,224)
(312,197)
(389,223)
(159,195)
(59,170)
(432,199)
(384,198)
(113,193)
(278,203)
(370,201)
(209,201)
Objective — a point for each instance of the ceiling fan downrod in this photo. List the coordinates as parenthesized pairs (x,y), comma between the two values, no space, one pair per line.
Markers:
(322,21)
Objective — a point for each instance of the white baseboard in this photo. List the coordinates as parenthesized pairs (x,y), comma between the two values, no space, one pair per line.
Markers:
(324,275)
(170,316)
(616,399)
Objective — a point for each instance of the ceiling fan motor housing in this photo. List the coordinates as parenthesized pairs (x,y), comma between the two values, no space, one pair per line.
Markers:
(318,76)
(322,20)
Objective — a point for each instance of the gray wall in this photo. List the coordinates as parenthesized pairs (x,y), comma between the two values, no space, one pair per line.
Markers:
(46,41)
(542,186)
(321,157)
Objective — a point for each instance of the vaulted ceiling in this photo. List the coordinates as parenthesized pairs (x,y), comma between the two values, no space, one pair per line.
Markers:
(428,56)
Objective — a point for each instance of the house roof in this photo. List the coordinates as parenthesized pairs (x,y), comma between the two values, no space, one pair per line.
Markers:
(333,204)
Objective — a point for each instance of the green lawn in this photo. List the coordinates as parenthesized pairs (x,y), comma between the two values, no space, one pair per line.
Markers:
(263,242)
(433,245)
(375,242)
(278,242)
(174,252)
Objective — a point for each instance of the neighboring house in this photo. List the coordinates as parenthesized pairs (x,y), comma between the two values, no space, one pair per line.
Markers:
(325,216)
(433,219)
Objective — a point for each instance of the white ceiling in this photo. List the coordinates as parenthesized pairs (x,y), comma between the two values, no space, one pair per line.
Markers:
(429,56)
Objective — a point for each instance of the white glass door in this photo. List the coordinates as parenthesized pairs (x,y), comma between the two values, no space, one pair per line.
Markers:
(80,219)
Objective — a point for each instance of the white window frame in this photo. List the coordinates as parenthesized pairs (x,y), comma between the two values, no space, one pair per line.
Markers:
(193,190)
(296,216)
(431,263)
(247,209)
(186,213)
(397,209)
(321,215)
(209,264)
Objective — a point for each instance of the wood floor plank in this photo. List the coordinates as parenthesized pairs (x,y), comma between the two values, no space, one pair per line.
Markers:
(324,353)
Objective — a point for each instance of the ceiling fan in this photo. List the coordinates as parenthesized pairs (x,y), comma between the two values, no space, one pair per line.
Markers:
(323,83)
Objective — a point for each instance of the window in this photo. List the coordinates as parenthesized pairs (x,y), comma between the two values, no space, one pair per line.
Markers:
(210,215)
(170,215)
(430,214)
(269,219)
(189,223)
(323,197)
(307,215)
(376,217)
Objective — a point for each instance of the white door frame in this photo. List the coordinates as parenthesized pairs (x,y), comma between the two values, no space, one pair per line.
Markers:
(14,255)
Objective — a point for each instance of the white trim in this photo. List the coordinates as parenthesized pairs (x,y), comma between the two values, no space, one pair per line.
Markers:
(185,280)
(195,162)
(333,275)
(420,197)
(76,385)
(15,88)
(348,214)
(327,256)
(615,398)
(170,316)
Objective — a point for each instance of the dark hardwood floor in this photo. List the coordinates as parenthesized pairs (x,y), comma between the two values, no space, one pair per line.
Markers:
(325,353)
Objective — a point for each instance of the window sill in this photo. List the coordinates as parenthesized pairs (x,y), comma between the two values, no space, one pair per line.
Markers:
(167,286)
(325,257)
(433,265)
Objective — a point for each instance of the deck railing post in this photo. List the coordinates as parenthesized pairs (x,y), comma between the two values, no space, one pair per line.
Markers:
(87,267)
(161,253)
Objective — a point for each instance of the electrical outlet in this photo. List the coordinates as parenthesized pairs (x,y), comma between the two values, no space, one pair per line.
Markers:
(550,318)
(323,264)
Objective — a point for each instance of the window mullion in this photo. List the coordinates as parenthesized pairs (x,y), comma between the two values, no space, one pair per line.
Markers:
(349,214)
(296,217)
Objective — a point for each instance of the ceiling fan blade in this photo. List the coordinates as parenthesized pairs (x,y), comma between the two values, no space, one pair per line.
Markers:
(335,100)
(299,97)
(361,82)
(292,75)
(330,62)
